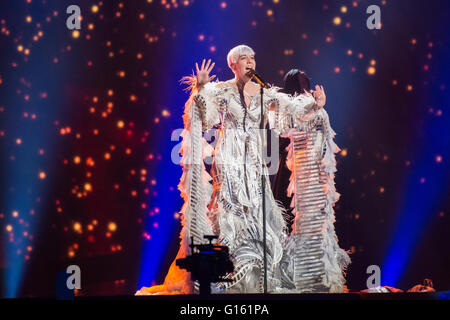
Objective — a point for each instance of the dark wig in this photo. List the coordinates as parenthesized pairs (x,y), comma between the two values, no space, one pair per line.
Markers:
(296,82)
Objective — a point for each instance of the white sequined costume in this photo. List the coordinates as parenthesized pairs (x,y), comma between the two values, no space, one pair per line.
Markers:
(228,202)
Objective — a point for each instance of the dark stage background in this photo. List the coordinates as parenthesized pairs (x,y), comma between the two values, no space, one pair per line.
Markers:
(86,118)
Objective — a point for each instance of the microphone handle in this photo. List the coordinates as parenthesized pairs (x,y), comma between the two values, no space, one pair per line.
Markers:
(258,78)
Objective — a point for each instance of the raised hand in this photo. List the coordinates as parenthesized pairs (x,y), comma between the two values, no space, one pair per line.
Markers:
(319,95)
(203,73)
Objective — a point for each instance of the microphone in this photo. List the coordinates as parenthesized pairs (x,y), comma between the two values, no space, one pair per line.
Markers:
(257,77)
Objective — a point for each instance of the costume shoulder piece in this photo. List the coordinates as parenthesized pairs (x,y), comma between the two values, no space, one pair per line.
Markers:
(212,100)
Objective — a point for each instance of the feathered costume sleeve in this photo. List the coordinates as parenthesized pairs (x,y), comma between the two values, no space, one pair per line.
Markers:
(315,262)
(201,113)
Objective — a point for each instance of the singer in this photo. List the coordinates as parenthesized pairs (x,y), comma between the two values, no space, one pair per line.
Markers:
(227,201)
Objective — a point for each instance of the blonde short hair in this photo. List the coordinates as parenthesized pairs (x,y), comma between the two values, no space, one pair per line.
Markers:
(236,52)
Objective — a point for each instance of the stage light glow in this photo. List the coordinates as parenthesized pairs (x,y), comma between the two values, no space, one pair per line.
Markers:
(112,226)
(425,188)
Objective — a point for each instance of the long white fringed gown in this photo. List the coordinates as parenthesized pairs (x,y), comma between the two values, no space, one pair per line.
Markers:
(229,204)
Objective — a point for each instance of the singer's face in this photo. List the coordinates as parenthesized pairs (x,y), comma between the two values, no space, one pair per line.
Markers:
(243,64)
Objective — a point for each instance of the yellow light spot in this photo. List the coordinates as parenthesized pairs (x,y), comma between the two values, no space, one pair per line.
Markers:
(371,70)
(91,26)
(94,8)
(42,175)
(165,113)
(76,159)
(77,227)
(15,213)
(75,34)
(112,226)
(87,187)
(20,48)
(343,9)
(107,156)
(269,12)
(344,152)
(143,172)
(9,228)
(71,253)
(120,124)
(28,19)
(337,20)
(19,141)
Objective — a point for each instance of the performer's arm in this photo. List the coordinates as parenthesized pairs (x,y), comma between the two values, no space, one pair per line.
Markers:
(300,104)
(287,110)
(320,96)
(205,94)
